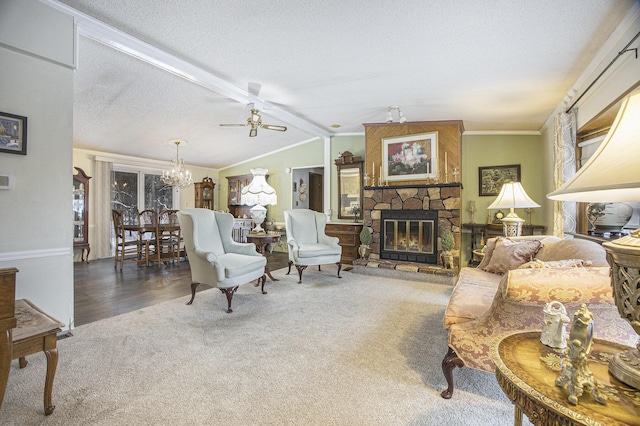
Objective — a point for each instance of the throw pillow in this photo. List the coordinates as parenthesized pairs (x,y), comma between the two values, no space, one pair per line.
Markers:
(489,246)
(509,255)
(573,248)
(565,263)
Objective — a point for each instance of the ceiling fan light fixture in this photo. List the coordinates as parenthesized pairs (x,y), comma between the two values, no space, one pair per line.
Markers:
(389,117)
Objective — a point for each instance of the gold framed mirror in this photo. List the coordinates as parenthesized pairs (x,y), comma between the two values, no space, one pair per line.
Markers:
(350,172)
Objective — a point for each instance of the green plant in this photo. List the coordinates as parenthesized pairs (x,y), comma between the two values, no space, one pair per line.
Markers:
(365,236)
(446,241)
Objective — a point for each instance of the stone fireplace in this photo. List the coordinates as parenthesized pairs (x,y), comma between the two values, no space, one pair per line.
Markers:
(424,210)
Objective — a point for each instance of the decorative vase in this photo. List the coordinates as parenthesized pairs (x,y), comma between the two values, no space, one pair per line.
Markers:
(447,259)
(608,217)
(364,251)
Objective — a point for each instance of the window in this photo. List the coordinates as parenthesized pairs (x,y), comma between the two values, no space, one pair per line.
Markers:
(135,190)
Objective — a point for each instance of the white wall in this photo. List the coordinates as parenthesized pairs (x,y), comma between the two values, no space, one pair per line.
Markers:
(36,81)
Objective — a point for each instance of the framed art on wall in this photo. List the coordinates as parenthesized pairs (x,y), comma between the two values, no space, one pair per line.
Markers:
(492,178)
(412,157)
(13,133)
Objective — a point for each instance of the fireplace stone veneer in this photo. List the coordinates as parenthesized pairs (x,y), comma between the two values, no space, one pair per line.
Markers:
(443,199)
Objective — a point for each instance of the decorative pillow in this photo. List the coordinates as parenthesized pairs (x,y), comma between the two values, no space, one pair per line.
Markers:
(490,245)
(509,255)
(565,263)
(573,248)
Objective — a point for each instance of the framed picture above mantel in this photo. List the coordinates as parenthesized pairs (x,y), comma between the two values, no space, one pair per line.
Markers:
(492,178)
(412,157)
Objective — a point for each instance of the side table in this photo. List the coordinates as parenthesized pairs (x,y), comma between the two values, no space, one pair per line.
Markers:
(261,241)
(526,371)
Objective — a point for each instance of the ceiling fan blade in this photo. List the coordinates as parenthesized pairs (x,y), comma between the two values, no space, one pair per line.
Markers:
(233,125)
(253,132)
(273,127)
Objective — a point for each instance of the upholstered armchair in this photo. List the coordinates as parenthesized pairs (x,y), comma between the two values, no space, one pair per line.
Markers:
(307,242)
(216,259)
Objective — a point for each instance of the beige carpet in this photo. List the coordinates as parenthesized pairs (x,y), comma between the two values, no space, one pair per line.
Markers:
(353,351)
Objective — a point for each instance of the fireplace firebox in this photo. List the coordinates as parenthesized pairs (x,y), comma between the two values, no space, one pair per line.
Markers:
(409,235)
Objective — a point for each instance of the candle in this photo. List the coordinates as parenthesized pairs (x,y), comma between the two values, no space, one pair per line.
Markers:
(445,163)
(373,171)
(380,177)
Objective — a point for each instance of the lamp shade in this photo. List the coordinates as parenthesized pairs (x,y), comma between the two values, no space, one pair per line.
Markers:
(612,173)
(258,191)
(512,196)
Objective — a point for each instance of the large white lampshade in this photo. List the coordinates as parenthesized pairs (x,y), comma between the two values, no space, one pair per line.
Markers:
(260,193)
(512,196)
(612,174)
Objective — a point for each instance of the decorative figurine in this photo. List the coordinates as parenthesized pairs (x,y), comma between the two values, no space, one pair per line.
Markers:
(575,371)
(554,325)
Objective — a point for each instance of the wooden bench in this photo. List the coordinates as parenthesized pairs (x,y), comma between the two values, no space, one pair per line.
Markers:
(36,331)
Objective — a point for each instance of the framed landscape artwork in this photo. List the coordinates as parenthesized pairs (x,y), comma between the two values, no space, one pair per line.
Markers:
(412,157)
(491,178)
(13,133)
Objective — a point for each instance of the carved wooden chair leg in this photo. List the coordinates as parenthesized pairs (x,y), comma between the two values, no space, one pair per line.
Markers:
(193,292)
(290,263)
(300,268)
(339,267)
(264,280)
(229,293)
(449,362)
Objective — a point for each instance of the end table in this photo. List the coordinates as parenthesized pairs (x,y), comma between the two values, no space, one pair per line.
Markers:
(526,371)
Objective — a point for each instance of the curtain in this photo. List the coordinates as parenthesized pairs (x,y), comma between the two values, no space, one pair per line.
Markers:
(102,207)
(564,158)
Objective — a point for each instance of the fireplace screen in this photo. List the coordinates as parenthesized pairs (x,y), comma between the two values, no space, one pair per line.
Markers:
(409,235)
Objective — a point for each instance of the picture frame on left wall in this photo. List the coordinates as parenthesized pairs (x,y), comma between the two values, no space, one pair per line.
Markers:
(13,133)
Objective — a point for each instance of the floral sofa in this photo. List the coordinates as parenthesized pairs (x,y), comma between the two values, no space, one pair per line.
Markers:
(527,272)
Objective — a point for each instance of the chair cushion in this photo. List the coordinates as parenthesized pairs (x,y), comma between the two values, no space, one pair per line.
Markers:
(240,264)
(315,250)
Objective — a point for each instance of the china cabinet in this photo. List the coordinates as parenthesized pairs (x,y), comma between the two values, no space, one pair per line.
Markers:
(234,203)
(204,193)
(81,212)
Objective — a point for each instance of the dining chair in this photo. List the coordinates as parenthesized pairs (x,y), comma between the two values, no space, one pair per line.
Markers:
(125,248)
(169,237)
(148,220)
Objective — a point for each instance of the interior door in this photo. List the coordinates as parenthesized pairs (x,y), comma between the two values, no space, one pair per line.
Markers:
(316,192)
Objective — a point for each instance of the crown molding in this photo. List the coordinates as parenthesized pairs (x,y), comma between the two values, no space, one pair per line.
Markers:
(501,132)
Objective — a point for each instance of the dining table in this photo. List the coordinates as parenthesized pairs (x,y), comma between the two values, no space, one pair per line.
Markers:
(155,231)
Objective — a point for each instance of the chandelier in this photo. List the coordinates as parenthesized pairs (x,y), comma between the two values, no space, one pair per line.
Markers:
(178,176)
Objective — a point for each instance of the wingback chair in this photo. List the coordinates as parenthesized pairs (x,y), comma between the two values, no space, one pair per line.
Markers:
(214,258)
(307,242)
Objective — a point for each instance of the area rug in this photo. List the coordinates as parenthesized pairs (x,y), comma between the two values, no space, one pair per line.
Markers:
(358,350)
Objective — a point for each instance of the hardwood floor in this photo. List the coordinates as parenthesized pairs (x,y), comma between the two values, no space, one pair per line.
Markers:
(102,291)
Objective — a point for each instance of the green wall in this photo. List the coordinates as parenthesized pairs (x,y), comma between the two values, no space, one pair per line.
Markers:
(496,150)
(304,155)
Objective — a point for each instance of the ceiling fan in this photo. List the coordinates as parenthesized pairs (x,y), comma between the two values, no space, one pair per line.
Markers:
(255,121)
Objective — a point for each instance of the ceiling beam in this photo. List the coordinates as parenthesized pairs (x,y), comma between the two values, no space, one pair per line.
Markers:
(97,30)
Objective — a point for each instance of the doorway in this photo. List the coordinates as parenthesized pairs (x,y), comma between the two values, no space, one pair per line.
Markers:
(307,188)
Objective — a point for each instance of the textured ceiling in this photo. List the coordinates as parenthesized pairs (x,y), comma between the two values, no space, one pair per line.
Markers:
(495,64)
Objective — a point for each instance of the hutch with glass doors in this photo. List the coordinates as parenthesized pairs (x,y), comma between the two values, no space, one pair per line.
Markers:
(81,212)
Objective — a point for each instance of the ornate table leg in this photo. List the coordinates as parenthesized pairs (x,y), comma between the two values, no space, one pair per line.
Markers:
(5,361)
(52,364)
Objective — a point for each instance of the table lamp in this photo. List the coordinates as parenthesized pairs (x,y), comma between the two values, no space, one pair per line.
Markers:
(259,194)
(512,196)
(612,175)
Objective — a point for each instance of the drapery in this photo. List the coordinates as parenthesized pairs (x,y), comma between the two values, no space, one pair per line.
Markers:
(102,205)
(564,158)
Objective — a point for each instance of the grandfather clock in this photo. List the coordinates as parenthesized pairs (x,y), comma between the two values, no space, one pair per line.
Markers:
(204,193)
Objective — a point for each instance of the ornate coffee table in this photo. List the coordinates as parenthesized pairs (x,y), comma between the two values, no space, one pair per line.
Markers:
(526,371)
